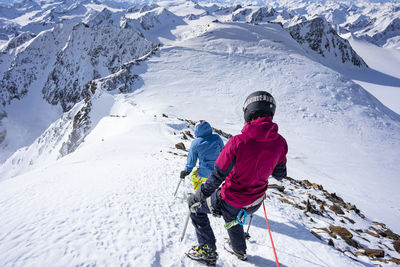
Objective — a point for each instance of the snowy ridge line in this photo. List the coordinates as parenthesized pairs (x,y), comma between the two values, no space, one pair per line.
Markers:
(326,215)
(73,127)
(123,79)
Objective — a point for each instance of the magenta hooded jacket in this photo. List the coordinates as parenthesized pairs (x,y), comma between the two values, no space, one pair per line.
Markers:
(246,162)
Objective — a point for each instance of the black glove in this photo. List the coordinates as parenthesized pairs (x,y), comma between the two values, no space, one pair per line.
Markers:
(184,174)
(195,200)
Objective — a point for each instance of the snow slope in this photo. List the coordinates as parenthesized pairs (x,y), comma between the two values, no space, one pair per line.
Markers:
(333,126)
(387,62)
(110,202)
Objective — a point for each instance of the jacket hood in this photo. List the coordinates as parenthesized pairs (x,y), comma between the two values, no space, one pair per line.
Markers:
(203,129)
(261,130)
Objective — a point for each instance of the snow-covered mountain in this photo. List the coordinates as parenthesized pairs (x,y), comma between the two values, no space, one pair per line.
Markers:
(75,53)
(103,47)
(375,21)
(318,36)
(95,95)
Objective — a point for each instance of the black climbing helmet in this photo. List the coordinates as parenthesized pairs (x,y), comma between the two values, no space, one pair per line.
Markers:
(259,104)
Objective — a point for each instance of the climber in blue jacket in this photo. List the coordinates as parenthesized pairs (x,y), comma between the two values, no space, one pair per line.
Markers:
(206,147)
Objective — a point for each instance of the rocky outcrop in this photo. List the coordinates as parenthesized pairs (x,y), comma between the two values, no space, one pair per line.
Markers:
(81,122)
(349,231)
(340,234)
(103,48)
(17,41)
(3,130)
(318,36)
(391,30)
(264,14)
(396,245)
(31,63)
(125,78)
(149,17)
(241,14)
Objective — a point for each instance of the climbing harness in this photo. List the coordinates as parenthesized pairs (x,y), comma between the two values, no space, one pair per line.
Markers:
(241,217)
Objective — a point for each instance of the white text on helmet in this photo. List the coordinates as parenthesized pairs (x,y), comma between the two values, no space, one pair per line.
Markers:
(257,98)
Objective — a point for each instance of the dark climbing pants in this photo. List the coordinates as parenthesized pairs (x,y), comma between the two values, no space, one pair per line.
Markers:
(204,232)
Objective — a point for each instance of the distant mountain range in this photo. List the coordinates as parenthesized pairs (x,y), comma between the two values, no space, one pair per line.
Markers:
(56,48)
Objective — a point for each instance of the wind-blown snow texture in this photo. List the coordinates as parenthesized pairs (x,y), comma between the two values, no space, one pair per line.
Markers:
(88,162)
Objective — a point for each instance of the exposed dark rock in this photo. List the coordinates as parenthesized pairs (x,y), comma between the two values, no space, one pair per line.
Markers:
(330,243)
(184,137)
(180,146)
(350,220)
(311,209)
(317,186)
(305,183)
(395,260)
(375,253)
(334,198)
(275,186)
(285,200)
(322,208)
(365,239)
(371,233)
(336,209)
(396,246)
(319,36)
(3,131)
(106,58)
(188,133)
(359,253)
(379,224)
(392,30)
(350,206)
(351,242)
(220,132)
(388,233)
(341,231)
(316,235)
(290,179)
(81,122)
(264,14)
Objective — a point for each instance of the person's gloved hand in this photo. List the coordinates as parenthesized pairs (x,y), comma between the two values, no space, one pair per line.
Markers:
(195,200)
(184,174)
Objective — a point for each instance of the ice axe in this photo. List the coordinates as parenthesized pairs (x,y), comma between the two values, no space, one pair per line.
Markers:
(180,181)
(247,235)
(192,209)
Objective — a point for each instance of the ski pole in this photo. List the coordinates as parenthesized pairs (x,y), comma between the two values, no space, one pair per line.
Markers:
(248,227)
(178,186)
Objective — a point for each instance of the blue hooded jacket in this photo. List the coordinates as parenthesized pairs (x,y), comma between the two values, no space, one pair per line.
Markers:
(206,147)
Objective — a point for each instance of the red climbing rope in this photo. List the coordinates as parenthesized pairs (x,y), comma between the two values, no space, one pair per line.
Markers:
(272,242)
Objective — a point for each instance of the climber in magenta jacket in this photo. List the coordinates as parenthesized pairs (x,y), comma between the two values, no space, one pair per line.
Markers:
(243,168)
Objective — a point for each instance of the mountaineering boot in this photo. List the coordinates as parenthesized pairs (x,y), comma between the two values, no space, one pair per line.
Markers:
(241,254)
(203,254)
